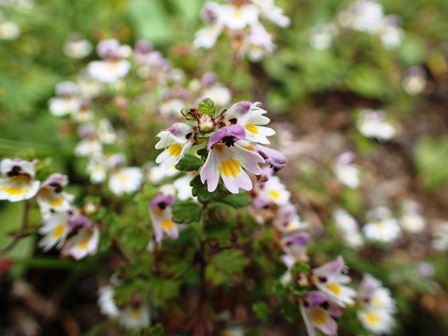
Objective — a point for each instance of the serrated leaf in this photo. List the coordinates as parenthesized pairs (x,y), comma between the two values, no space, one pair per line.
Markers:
(206,106)
(189,162)
(200,190)
(187,212)
(224,264)
(237,200)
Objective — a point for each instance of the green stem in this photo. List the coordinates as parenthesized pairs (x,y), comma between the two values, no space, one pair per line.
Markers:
(16,239)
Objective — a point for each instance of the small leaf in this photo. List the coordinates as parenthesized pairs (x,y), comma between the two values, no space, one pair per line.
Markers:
(207,106)
(431,156)
(224,264)
(237,200)
(189,162)
(187,212)
(261,310)
(200,190)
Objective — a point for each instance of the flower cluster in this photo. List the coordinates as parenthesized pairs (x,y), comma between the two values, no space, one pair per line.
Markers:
(231,138)
(65,227)
(241,20)
(365,16)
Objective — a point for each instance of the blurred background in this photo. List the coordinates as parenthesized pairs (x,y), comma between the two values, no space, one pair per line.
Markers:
(317,86)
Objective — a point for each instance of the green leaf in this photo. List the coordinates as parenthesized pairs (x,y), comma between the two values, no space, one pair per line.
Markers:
(224,264)
(261,310)
(431,156)
(189,162)
(151,20)
(237,200)
(200,190)
(187,212)
(206,106)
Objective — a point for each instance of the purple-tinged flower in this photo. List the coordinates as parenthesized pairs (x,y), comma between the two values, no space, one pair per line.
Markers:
(162,217)
(51,196)
(276,159)
(295,244)
(345,171)
(67,101)
(227,159)
(330,279)
(55,230)
(84,242)
(176,142)
(288,220)
(19,184)
(318,312)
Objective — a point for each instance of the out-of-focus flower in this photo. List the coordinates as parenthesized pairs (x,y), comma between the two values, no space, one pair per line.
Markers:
(19,184)
(381,226)
(106,301)
(348,228)
(288,219)
(273,191)
(377,306)
(295,244)
(125,180)
(52,197)
(414,81)
(331,278)
(289,262)
(77,47)
(220,95)
(84,242)
(347,172)
(318,313)
(321,37)
(67,100)
(412,219)
(183,187)
(97,168)
(257,43)
(113,66)
(89,87)
(362,15)
(9,30)
(162,217)
(440,241)
(390,33)
(55,230)
(272,13)
(157,173)
(372,124)
(106,132)
(135,316)
(90,145)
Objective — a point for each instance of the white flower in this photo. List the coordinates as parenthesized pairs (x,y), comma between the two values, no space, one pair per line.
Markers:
(125,180)
(106,301)
(9,30)
(183,187)
(238,17)
(347,172)
(19,184)
(97,168)
(106,132)
(381,227)
(220,95)
(414,81)
(377,306)
(257,43)
(77,47)
(348,228)
(412,219)
(109,71)
(206,37)
(330,279)
(157,174)
(55,230)
(372,124)
(83,243)
(176,142)
(440,241)
(133,317)
(365,15)
(274,190)
(321,37)
(272,13)
(89,147)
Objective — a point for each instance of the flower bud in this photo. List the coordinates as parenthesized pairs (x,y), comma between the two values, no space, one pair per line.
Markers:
(206,124)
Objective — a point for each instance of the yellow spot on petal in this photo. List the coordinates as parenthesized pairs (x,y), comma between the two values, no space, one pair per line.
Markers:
(335,288)
(124,178)
(56,202)
(175,149)
(230,168)
(372,318)
(83,244)
(167,224)
(319,316)
(252,128)
(15,190)
(136,314)
(59,231)
(275,194)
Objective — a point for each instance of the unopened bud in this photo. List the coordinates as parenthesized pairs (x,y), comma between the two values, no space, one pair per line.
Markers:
(206,124)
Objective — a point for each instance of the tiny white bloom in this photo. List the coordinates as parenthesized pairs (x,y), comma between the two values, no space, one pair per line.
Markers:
(125,180)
